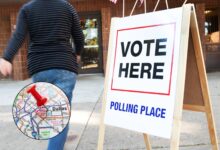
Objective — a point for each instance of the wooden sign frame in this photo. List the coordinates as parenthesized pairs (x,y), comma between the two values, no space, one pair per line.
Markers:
(191,79)
(204,104)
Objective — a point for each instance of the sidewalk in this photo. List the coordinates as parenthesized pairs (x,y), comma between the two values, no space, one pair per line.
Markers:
(85,120)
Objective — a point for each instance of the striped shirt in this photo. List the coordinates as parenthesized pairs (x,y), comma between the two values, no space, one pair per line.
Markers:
(50,24)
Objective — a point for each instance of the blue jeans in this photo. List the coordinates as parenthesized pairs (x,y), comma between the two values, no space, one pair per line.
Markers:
(65,80)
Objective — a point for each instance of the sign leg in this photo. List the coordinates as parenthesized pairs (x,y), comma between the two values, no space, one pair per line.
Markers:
(102,127)
(101,137)
(211,126)
(174,144)
(203,81)
(178,107)
(147,141)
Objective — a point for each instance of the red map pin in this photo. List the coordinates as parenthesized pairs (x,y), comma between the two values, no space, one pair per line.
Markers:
(40,100)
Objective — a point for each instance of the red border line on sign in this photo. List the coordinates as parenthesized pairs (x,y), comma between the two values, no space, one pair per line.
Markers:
(171,70)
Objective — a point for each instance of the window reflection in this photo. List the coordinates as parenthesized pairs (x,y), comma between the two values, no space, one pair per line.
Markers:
(90,55)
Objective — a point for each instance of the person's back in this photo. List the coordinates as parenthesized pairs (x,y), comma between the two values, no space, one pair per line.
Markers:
(50,24)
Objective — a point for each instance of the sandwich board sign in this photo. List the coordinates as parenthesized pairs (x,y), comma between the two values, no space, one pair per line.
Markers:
(148,57)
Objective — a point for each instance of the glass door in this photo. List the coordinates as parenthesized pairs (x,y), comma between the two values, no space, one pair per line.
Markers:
(91,57)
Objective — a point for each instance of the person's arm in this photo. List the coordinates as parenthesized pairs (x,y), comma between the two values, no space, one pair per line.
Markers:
(17,38)
(14,44)
(77,33)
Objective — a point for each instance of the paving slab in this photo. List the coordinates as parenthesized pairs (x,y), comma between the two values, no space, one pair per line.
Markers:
(88,88)
(9,89)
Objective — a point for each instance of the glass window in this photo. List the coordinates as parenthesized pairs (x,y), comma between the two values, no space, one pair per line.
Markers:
(90,55)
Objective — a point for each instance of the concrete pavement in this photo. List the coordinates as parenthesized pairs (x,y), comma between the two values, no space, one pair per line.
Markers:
(85,120)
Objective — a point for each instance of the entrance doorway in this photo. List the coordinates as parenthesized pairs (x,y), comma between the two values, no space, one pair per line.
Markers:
(91,57)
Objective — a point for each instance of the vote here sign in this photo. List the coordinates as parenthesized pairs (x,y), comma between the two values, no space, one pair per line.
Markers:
(142,74)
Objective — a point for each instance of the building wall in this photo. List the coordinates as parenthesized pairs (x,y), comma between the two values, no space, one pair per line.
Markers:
(106,8)
(5,29)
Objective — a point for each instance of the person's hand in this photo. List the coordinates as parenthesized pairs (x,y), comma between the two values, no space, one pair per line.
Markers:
(5,67)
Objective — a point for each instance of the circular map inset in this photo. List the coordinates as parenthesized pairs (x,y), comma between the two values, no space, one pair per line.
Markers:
(41,111)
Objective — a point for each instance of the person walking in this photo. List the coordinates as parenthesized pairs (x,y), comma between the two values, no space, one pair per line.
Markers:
(49,24)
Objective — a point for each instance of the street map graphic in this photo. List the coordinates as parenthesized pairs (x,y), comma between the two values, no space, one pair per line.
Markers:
(41,111)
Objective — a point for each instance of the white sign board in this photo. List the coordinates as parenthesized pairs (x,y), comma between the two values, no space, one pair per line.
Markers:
(143,72)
